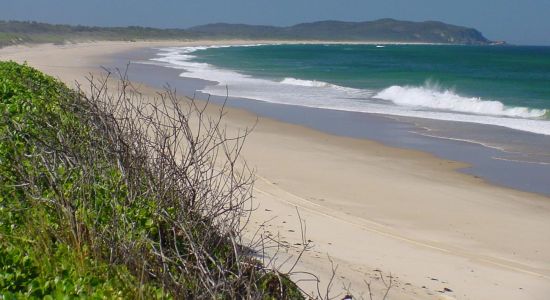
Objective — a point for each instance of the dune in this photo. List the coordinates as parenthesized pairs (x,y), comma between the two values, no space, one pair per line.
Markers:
(371,209)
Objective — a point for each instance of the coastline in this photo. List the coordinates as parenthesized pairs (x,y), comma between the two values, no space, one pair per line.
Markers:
(403,211)
(499,155)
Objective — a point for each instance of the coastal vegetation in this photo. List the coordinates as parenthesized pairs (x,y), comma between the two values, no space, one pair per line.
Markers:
(110,195)
(16,32)
(385,30)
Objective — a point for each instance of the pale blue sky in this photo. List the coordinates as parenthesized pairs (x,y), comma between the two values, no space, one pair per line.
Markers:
(517,21)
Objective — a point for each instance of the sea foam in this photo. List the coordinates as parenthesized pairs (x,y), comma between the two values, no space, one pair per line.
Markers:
(427,101)
(433,97)
(310,83)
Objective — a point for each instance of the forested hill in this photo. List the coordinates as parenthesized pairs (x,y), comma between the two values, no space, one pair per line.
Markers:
(389,30)
(17,32)
(385,30)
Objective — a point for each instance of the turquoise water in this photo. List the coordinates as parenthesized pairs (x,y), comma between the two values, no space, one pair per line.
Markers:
(517,76)
(505,86)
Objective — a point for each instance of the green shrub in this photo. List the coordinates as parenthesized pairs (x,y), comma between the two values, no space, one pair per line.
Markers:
(90,207)
(39,257)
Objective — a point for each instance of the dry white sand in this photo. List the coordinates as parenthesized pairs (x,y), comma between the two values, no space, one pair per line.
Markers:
(368,206)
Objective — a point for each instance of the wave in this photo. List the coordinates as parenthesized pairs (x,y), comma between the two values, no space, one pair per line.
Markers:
(435,103)
(312,84)
(309,83)
(432,97)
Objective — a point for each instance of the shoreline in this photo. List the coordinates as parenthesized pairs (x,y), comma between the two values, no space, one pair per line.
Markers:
(436,223)
(185,58)
(495,164)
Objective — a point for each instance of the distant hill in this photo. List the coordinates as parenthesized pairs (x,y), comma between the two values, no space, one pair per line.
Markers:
(388,30)
(17,32)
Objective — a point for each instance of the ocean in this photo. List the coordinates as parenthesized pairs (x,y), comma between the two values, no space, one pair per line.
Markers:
(483,105)
(504,86)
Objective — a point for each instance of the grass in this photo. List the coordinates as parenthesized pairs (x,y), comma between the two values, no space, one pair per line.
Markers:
(91,207)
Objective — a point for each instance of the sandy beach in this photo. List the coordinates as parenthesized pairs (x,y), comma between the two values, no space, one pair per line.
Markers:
(369,207)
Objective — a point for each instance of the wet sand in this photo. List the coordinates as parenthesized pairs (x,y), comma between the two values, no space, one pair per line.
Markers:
(499,155)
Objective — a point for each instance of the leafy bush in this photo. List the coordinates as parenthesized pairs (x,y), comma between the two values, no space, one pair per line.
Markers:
(104,197)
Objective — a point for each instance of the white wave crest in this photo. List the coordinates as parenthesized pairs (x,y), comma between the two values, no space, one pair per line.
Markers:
(433,97)
(318,94)
(347,91)
(309,83)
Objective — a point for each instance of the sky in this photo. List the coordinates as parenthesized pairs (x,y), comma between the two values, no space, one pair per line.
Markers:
(516,21)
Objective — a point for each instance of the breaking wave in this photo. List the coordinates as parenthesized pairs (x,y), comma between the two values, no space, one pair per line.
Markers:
(309,83)
(428,101)
(432,97)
